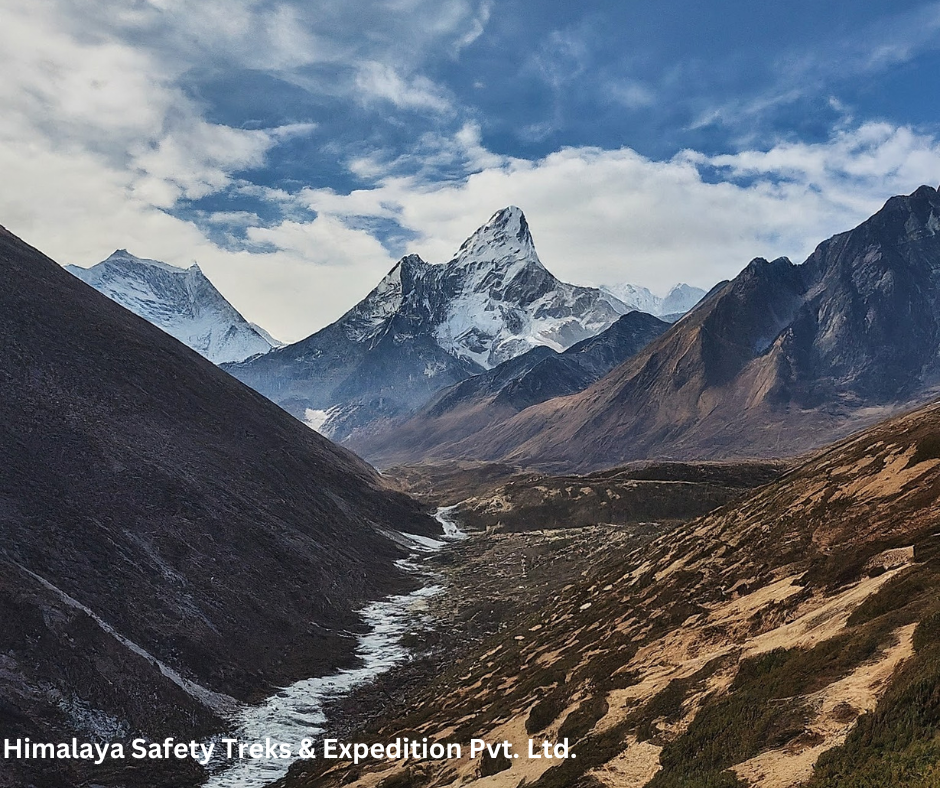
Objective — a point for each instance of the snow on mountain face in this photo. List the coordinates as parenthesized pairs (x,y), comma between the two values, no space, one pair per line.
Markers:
(425,327)
(266,336)
(493,301)
(368,318)
(182,302)
(503,302)
(680,298)
(637,298)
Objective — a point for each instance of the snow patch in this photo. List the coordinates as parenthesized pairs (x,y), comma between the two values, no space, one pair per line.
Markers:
(444,516)
(681,298)
(317,419)
(933,224)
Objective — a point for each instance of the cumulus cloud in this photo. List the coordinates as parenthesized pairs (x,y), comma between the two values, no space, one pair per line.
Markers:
(100,144)
(433,155)
(605,216)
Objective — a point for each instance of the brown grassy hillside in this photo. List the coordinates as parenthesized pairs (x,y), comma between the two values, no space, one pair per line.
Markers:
(788,638)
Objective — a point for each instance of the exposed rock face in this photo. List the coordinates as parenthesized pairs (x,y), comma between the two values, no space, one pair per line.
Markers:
(183,302)
(498,394)
(169,539)
(781,359)
(426,327)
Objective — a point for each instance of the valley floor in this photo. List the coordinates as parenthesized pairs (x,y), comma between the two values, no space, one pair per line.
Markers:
(791,637)
(493,582)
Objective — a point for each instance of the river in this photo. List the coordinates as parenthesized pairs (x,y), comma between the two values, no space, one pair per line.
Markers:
(296,712)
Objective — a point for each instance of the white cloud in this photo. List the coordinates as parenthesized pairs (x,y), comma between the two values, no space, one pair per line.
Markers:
(608,216)
(325,242)
(98,140)
(630,93)
(195,161)
(431,155)
(381,81)
(478,25)
(597,216)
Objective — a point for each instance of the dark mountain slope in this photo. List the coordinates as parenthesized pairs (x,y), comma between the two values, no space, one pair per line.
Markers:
(781,359)
(498,394)
(153,508)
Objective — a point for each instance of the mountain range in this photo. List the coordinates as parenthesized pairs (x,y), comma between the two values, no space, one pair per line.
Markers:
(462,410)
(171,542)
(183,302)
(780,360)
(679,300)
(174,544)
(428,326)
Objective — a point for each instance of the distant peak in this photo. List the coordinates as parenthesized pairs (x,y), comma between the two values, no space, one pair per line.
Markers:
(123,256)
(504,238)
(412,260)
(509,221)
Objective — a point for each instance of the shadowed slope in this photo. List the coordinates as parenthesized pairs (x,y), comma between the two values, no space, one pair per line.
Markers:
(153,508)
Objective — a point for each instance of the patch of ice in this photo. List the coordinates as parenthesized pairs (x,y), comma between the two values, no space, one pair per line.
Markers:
(933,224)
(451,529)
(423,543)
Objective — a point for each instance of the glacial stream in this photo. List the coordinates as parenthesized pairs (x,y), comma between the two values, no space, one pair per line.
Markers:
(296,712)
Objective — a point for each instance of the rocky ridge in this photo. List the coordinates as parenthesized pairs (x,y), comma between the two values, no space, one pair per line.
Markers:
(779,360)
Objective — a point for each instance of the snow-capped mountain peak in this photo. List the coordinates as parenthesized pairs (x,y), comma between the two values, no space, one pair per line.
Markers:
(680,299)
(426,326)
(181,301)
(500,301)
(504,239)
(636,297)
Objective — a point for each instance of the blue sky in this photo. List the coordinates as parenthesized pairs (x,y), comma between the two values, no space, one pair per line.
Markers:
(297,149)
